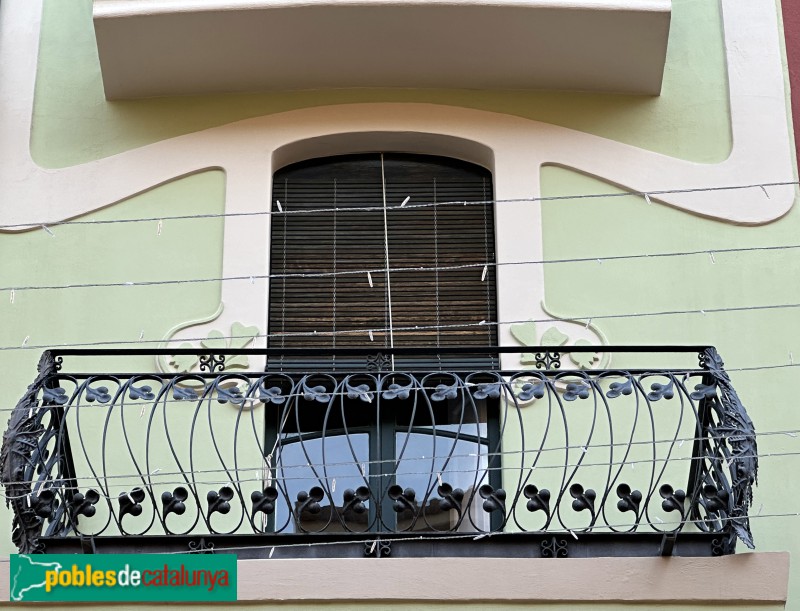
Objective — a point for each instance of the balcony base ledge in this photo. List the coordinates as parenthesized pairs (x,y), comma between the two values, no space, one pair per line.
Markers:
(750,578)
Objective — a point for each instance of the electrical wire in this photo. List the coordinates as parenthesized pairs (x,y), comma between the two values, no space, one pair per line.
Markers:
(582,319)
(382,270)
(281,211)
(524,471)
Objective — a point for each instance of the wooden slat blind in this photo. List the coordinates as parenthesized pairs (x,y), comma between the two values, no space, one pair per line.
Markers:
(437,301)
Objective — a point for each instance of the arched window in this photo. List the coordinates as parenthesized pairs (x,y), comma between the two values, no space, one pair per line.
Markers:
(424,228)
(431,278)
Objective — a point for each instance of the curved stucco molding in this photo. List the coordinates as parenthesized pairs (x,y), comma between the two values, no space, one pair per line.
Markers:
(761,144)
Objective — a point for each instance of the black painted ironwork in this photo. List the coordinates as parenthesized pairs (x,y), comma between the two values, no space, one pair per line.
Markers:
(544,462)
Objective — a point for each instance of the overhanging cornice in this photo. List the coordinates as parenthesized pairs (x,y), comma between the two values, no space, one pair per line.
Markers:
(177,47)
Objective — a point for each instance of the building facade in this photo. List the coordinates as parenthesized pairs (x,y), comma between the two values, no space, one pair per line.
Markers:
(419,183)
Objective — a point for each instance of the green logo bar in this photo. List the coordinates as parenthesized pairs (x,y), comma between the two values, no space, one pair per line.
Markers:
(123,577)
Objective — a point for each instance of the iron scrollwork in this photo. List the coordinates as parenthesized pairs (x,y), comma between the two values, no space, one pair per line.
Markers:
(212,362)
(555,548)
(547,360)
(378,362)
(377,548)
(440,473)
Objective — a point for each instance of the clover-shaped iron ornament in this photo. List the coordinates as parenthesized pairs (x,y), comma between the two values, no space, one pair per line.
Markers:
(673,499)
(44,503)
(181,393)
(354,499)
(141,392)
(57,396)
(232,394)
(452,498)
(616,389)
(310,501)
(714,499)
(661,391)
(361,392)
(704,391)
(495,500)
(530,390)
(489,390)
(576,390)
(404,499)
(264,501)
(583,499)
(219,500)
(99,394)
(397,391)
(84,504)
(174,502)
(131,502)
(273,394)
(444,391)
(538,500)
(315,393)
(629,500)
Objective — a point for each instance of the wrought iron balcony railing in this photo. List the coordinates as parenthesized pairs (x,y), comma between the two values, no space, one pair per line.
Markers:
(374,461)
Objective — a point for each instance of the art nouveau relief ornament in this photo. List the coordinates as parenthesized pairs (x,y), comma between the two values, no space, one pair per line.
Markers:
(553,341)
(558,336)
(216,343)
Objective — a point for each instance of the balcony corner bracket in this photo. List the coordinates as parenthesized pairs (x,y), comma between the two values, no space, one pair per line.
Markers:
(736,429)
(17,464)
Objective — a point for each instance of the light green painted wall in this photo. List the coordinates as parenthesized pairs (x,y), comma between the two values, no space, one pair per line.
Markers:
(744,339)
(74,123)
(108,253)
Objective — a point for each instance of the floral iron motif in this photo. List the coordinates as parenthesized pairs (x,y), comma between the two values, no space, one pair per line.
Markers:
(555,548)
(736,430)
(219,501)
(264,501)
(174,502)
(131,502)
(378,362)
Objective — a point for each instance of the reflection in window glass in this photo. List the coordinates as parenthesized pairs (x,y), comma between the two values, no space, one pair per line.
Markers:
(332,463)
(461,463)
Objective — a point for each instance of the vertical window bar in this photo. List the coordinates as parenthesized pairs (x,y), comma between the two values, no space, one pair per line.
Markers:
(386,250)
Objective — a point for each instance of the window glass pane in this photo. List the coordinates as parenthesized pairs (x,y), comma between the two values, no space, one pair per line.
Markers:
(461,464)
(333,464)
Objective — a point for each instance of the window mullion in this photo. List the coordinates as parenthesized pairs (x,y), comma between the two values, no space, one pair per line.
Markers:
(386,251)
